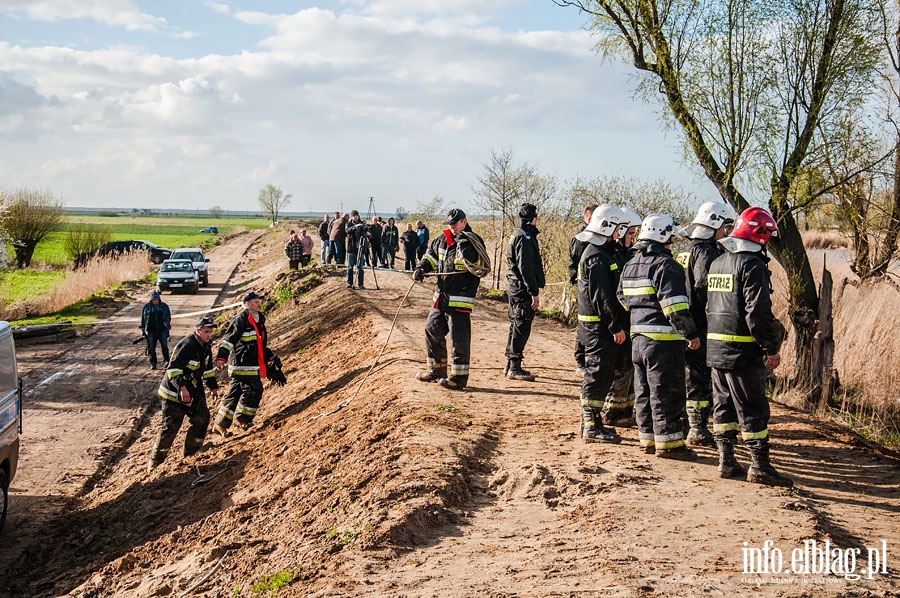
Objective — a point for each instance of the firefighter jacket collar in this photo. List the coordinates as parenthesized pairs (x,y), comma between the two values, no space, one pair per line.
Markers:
(736,245)
(530,229)
(651,248)
(586,236)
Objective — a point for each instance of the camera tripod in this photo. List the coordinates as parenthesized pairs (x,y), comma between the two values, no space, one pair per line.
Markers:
(363,254)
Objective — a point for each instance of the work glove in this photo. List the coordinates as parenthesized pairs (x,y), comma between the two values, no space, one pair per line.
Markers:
(419,275)
(274,372)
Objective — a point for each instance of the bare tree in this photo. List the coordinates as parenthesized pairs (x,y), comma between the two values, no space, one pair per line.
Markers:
(501,188)
(273,200)
(427,210)
(644,197)
(216,211)
(30,216)
(84,239)
(748,83)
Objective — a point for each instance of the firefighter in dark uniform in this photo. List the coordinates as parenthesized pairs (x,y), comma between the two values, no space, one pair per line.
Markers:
(246,341)
(712,223)
(576,248)
(744,340)
(652,289)
(454,298)
(601,320)
(183,393)
(525,279)
(618,408)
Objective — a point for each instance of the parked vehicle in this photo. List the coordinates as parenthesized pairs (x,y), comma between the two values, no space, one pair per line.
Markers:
(10,416)
(177,275)
(195,254)
(157,254)
(210,229)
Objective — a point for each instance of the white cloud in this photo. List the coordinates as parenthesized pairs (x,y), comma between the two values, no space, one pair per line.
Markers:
(118,13)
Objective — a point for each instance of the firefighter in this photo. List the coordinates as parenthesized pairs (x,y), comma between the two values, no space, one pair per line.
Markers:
(601,320)
(450,255)
(183,394)
(618,408)
(525,279)
(576,248)
(652,289)
(712,223)
(743,342)
(246,342)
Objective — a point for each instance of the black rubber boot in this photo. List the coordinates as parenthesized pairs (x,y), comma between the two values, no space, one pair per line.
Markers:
(515,371)
(592,429)
(699,434)
(431,375)
(728,465)
(680,453)
(761,470)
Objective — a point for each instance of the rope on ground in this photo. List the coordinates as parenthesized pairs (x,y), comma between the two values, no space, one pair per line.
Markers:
(205,577)
(380,353)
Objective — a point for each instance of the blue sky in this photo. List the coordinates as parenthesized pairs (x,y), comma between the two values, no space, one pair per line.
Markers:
(162,104)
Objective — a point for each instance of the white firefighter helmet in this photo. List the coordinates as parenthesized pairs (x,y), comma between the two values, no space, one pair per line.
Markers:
(630,218)
(714,214)
(605,220)
(657,227)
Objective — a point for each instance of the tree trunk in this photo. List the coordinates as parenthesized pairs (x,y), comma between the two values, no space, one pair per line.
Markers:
(24,252)
(822,365)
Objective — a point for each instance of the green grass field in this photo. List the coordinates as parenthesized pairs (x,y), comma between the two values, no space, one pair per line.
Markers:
(19,285)
(165,232)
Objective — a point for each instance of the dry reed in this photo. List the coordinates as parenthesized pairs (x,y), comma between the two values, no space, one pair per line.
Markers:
(98,274)
(825,239)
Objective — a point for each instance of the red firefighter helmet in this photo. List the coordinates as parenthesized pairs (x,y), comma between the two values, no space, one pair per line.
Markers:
(755,224)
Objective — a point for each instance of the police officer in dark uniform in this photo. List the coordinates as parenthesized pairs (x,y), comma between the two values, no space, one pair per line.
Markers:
(744,340)
(576,248)
(183,394)
(454,297)
(652,289)
(525,279)
(246,342)
(601,320)
(712,223)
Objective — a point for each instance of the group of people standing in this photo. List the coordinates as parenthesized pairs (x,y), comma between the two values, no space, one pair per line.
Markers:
(695,334)
(341,236)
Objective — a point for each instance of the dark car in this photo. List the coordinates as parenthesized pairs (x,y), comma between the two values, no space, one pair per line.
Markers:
(157,254)
(210,229)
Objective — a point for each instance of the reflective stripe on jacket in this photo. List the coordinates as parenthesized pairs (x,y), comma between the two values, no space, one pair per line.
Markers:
(458,290)
(190,365)
(652,289)
(240,342)
(597,278)
(739,310)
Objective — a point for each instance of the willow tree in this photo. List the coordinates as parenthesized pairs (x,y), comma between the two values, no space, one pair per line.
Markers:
(748,83)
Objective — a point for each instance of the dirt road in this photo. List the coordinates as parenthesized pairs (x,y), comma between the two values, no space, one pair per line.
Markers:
(85,398)
(413,490)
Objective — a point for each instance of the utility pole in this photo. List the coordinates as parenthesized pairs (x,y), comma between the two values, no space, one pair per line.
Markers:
(371,211)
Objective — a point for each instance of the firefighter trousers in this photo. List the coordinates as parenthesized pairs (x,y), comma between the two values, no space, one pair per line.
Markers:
(659,392)
(600,354)
(521,315)
(698,377)
(173,414)
(619,401)
(740,403)
(459,325)
(241,402)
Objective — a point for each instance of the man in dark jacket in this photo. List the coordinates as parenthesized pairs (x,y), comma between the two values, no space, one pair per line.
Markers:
(357,249)
(525,279)
(422,232)
(601,320)
(454,297)
(183,394)
(390,243)
(323,237)
(652,289)
(712,223)
(246,342)
(744,340)
(410,242)
(156,321)
(576,248)
(375,240)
